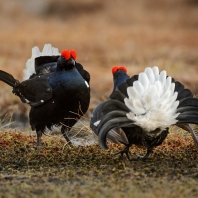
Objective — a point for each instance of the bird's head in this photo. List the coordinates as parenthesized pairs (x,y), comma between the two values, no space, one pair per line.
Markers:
(118,69)
(119,75)
(67,60)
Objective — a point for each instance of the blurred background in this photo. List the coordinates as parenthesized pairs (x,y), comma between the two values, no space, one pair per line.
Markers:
(135,34)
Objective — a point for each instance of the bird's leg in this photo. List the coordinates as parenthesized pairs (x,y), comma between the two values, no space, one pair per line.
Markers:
(148,153)
(125,151)
(64,130)
(39,134)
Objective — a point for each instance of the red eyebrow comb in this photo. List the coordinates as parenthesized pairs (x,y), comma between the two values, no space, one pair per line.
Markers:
(73,54)
(116,68)
(122,68)
(66,54)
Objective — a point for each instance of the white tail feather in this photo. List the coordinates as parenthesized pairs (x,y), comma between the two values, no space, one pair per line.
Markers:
(156,72)
(132,93)
(138,87)
(144,80)
(162,78)
(35,51)
(150,74)
(152,100)
(48,50)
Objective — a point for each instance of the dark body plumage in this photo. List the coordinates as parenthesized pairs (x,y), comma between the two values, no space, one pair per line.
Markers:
(48,64)
(116,135)
(115,112)
(57,96)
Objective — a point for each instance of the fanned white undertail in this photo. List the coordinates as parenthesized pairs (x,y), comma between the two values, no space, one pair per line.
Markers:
(152,100)
(48,50)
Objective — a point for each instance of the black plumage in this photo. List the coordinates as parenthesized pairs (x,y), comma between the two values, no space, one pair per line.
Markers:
(57,92)
(145,106)
(48,64)
(116,135)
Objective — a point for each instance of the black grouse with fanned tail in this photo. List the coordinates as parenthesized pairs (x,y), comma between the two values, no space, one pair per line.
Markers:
(114,135)
(57,97)
(145,106)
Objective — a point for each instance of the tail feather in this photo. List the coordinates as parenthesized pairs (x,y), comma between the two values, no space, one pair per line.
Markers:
(186,118)
(35,51)
(188,102)
(113,123)
(117,136)
(111,115)
(184,94)
(178,86)
(187,109)
(8,78)
(188,113)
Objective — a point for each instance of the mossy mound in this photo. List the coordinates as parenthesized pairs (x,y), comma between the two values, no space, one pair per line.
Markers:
(58,170)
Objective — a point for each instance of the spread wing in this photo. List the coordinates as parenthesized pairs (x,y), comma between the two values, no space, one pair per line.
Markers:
(35,91)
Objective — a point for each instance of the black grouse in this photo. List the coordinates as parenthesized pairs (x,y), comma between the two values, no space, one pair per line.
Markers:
(145,106)
(115,135)
(56,92)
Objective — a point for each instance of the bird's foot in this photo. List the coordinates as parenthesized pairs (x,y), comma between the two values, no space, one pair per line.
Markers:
(125,151)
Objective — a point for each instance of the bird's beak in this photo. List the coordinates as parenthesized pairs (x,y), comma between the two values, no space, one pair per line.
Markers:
(71,62)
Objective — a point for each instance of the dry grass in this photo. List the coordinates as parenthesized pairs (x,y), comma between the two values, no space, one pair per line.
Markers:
(135,33)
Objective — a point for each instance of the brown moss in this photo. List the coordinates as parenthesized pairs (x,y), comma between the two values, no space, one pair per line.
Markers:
(59,170)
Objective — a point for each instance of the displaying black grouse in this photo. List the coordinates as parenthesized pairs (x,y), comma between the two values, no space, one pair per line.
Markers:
(58,96)
(145,106)
(115,135)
